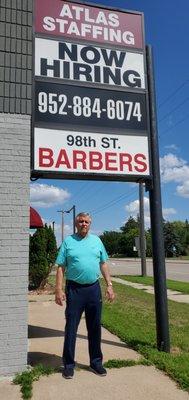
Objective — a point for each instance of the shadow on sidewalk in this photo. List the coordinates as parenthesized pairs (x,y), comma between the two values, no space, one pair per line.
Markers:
(50,360)
(42,332)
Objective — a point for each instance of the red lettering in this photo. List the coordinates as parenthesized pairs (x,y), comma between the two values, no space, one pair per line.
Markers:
(62,159)
(137,159)
(108,161)
(125,159)
(45,157)
(95,160)
(79,157)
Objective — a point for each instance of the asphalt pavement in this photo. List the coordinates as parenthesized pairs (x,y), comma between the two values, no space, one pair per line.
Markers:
(175,269)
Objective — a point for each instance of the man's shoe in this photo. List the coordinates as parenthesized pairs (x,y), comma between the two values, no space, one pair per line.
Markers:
(68,373)
(99,370)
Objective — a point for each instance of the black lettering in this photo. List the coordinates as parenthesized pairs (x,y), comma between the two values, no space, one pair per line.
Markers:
(96,55)
(109,74)
(129,79)
(66,66)
(82,69)
(64,49)
(105,142)
(113,56)
(55,67)
(97,73)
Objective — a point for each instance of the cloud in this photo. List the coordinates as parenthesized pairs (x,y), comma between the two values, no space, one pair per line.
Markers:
(183,190)
(133,207)
(173,169)
(173,147)
(46,196)
(133,210)
(168,211)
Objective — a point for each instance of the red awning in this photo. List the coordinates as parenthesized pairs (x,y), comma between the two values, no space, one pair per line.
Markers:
(35,219)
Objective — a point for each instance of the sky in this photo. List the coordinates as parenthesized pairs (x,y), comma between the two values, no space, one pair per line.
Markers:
(111,203)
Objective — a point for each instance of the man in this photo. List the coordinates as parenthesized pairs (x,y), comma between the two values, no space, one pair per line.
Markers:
(81,258)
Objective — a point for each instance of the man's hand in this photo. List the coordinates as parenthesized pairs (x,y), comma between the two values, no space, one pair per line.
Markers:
(60,297)
(110,295)
(106,275)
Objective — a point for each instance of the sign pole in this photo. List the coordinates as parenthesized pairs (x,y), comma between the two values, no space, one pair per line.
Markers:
(162,325)
(142,230)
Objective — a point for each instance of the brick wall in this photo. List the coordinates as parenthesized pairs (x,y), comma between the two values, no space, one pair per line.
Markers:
(15,56)
(14,240)
(16,18)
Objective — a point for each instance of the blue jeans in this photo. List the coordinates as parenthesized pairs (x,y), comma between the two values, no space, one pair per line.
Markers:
(81,298)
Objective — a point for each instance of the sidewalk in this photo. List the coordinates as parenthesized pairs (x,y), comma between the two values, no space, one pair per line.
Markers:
(46,322)
(171,294)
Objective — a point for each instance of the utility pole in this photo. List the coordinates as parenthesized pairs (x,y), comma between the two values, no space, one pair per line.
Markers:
(62,212)
(72,209)
(53,225)
(142,230)
(67,212)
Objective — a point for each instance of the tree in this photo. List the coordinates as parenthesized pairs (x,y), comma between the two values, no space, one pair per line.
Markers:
(172,241)
(148,243)
(51,248)
(42,256)
(130,224)
(127,242)
(110,241)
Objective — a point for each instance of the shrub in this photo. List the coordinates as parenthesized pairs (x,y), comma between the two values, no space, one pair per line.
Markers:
(42,256)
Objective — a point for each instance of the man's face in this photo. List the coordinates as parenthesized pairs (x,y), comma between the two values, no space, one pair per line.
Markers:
(83,225)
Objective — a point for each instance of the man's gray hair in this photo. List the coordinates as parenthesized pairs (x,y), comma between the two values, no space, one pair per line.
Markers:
(82,214)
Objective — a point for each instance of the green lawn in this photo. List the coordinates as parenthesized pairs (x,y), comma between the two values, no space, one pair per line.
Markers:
(148,280)
(132,318)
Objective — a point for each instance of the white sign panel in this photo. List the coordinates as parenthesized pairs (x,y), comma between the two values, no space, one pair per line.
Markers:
(88,63)
(85,152)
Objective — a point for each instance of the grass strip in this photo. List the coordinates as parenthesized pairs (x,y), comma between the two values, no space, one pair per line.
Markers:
(182,287)
(118,363)
(26,379)
(132,318)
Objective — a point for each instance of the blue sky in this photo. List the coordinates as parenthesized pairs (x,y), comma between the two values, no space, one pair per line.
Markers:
(111,203)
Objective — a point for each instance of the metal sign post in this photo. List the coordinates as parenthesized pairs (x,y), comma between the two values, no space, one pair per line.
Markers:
(163,342)
(142,230)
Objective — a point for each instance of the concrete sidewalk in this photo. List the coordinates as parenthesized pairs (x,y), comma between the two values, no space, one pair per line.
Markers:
(171,294)
(46,322)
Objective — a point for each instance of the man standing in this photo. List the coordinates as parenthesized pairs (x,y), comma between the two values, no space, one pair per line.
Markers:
(81,258)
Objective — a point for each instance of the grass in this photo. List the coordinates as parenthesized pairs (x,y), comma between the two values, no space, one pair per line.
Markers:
(132,318)
(51,280)
(26,379)
(125,363)
(182,287)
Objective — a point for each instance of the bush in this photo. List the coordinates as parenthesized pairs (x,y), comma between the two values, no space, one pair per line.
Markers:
(42,256)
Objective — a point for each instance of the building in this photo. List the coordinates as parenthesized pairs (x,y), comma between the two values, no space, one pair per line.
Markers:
(15,119)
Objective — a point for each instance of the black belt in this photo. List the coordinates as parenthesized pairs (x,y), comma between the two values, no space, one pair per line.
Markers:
(76,284)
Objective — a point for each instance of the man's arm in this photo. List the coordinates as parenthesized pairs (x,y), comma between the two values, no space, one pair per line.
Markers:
(106,275)
(59,293)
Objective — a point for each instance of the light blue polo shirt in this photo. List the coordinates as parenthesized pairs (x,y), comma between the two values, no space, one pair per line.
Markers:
(81,258)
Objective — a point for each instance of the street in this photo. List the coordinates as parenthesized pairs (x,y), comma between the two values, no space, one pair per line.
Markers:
(176,270)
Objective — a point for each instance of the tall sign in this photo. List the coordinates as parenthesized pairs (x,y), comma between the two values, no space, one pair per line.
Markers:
(90,114)
(93,114)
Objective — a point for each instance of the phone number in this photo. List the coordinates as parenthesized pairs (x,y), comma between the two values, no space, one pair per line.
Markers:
(86,107)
